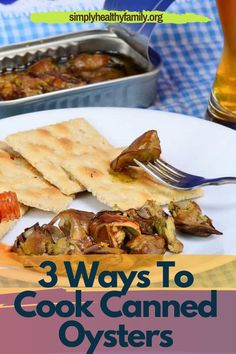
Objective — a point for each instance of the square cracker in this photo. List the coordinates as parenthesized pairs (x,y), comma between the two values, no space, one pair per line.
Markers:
(123,191)
(6,226)
(18,176)
(49,148)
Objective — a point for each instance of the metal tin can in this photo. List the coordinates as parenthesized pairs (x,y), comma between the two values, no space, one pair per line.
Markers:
(132,91)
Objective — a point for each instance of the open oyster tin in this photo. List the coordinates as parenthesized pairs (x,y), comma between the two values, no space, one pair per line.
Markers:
(132,91)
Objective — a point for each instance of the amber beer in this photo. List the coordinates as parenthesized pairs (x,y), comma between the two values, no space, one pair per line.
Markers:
(222,105)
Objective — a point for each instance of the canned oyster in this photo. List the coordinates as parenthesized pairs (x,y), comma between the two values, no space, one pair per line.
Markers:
(126,79)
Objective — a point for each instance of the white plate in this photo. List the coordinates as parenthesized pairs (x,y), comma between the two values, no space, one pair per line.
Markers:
(194,145)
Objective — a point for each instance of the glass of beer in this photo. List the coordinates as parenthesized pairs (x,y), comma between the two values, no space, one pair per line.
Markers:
(222,103)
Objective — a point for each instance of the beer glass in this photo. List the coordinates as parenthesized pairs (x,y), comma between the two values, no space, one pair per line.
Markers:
(222,103)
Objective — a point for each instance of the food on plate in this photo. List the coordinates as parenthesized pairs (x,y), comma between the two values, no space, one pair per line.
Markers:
(147,230)
(6,226)
(146,148)
(68,237)
(112,228)
(9,207)
(49,74)
(123,190)
(65,217)
(32,190)
(146,244)
(50,150)
(73,156)
(163,224)
(74,232)
(74,224)
(189,219)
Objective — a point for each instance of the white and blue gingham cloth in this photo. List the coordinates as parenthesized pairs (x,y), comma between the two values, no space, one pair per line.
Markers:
(190,55)
(16,26)
(190,52)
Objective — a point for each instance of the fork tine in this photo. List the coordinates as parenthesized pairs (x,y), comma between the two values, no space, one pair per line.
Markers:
(164,173)
(167,170)
(154,173)
(171,168)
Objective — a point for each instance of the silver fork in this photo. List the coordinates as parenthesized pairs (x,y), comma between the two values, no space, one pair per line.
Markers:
(172,177)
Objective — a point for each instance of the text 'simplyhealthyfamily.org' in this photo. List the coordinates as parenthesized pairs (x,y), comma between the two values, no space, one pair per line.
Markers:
(117,17)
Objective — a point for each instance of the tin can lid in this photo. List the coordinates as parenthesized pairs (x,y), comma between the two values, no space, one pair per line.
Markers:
(138,32)
(142,29)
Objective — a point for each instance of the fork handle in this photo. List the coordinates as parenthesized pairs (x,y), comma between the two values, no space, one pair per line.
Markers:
(219,181)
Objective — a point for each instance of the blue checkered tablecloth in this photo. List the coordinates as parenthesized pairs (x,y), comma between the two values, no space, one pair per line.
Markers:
(190,52)
(190,55)
(15,24)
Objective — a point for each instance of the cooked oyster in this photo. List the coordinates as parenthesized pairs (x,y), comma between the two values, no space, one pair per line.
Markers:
(146,244)
(69,237)
(145,220)
(89,62)
(189,219)
(145,148)
(42,66)
(148,230)
(49,74)
(164,225)
(84,217)
(111,228)
(102,74)
(74,225)
(33,241)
